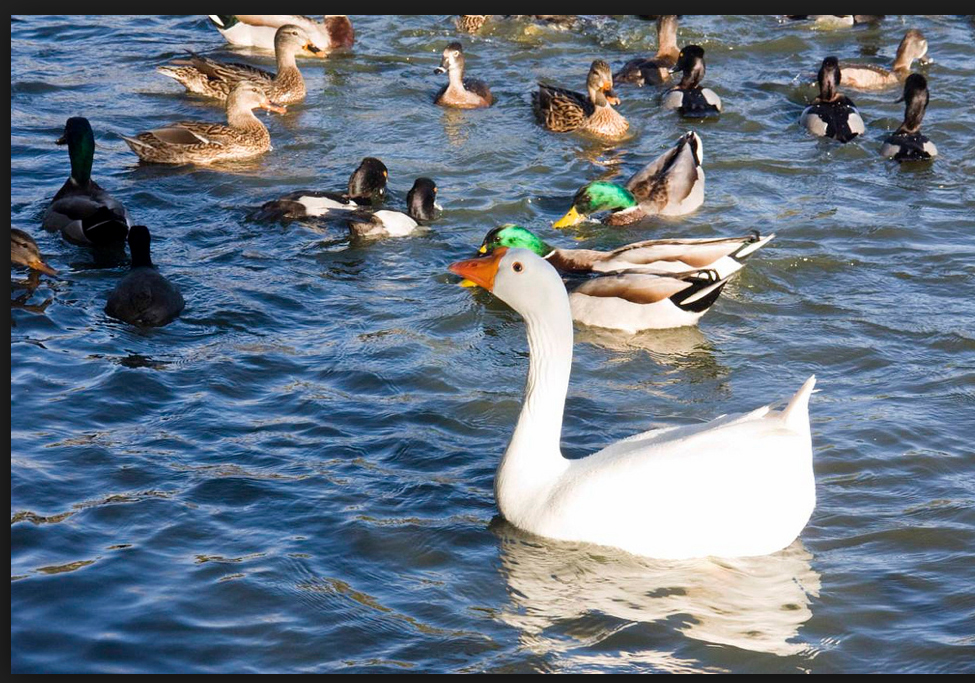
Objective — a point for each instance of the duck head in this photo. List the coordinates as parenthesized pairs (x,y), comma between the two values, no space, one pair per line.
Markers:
(690,60)
(24,251)
(367,184)
(513,236)
(595,197)
(913,46)
(80,140)
(599,83)
(245,97)
(829,79)
(139,240)
(452,59)
(421,201)
(915,97)
(289,40)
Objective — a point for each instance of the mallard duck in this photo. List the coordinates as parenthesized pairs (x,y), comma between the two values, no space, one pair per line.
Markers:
(688,97)
(832,114)
(460,92)
(24,252)
(907,143)
(421,206)
(869,77)
(472,23)
(722,255)
(198,142)
(561,110)
(656,70)
(83,212)
(737,486)
(672,185)
(205,76)
(258,30)
(144,296)
(367,187)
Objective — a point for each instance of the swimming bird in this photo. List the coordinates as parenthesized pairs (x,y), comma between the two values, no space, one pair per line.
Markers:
(722,255)
(421,206)
(908,143)
(655,70)
(688,97)
(832,114)
(199,142)
(460,92)
(84,212)
(739,485)
(205,76)
(671,185)
(367,187)
(869,77)
(258,30)
(562,110)
(24,252)
(144,296)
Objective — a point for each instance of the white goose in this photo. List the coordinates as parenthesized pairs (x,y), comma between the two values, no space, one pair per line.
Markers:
(739,485)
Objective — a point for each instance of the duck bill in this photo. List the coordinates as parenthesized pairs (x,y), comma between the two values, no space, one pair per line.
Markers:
(571,218)
(612,97)
(277,109)
(311,49)
(42,267)
(480,271)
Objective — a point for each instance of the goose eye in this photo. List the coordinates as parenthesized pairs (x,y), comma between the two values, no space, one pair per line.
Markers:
(517,267)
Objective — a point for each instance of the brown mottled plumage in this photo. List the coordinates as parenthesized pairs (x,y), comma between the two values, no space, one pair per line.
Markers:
(562,110)
(199,142)
(205,76)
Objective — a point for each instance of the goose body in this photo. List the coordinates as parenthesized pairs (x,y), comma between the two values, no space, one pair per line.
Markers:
(460,92)
(689,98)
(739,485)
(560,110)
(81,210)
(723,255)
(208,77)
(671,185)
(367,186)
(258,30)
(655,70)
(908,143)
(870,77)
(832,114)
(199,142)
(144,296)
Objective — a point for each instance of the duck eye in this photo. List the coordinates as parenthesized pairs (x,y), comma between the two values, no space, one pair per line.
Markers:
(517,267)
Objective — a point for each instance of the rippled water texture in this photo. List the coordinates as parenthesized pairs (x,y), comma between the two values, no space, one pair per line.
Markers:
(297,474)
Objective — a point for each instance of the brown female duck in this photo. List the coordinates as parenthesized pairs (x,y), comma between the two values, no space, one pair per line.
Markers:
(199,142)
(562,110)
(208,77)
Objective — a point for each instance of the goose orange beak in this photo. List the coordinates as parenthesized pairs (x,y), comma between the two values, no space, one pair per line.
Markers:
(480,271)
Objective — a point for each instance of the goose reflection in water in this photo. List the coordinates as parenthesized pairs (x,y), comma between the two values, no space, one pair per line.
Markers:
(562,594)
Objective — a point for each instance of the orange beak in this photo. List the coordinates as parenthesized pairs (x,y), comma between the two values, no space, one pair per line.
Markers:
(480,271)
(275,108)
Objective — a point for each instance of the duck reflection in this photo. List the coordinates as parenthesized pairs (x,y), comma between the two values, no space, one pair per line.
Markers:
(757,603)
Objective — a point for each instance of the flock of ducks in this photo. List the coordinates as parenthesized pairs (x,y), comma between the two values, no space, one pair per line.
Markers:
(744,466)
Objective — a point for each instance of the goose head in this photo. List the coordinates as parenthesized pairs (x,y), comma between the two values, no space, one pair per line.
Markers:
(520,278)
